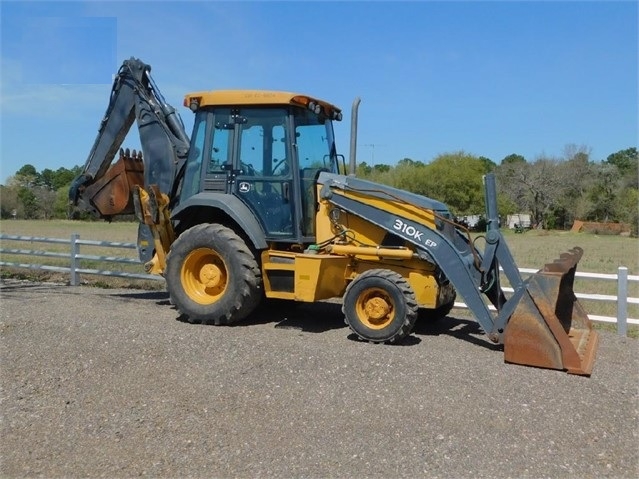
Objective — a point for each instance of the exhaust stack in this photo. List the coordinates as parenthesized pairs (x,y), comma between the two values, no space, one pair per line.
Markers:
(352,161)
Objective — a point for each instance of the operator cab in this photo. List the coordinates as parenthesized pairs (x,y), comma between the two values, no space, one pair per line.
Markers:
(267,148)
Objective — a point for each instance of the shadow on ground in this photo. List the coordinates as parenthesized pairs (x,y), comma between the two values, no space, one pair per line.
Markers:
(159,297)
(460,328)
(326,315)
(308,317)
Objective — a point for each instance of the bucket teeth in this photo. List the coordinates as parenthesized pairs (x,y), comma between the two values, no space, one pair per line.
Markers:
(112,193)
(565,262)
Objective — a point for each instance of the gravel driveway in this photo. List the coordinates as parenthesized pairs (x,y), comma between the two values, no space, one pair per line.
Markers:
(110,383)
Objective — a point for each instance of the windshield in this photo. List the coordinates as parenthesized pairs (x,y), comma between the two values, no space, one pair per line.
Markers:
(314,141)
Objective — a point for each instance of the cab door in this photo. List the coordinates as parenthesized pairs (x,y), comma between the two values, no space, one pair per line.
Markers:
(263,166)
(208,167)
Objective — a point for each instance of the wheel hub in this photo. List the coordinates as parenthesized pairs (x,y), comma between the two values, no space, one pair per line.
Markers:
(204,276)
(377,309)
(210,275)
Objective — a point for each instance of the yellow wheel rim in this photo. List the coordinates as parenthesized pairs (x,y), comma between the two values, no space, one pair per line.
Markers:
(375,308)
(204,276)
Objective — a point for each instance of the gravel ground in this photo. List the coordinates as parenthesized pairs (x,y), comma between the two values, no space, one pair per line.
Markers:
(110,383)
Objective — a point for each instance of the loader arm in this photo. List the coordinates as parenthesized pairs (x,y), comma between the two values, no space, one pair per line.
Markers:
(105,189)
(540,324)
(443,246)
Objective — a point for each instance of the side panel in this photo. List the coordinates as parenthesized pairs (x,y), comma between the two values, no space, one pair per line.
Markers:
(303,277)
(319,277)
(230,205)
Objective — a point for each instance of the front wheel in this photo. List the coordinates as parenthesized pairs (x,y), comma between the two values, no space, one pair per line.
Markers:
(212,276)
(380,306)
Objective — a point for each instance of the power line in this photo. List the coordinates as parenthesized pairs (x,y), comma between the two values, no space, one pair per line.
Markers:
(372,146)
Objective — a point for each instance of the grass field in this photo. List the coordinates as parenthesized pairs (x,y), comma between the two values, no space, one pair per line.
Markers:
(98,231)
(602,254)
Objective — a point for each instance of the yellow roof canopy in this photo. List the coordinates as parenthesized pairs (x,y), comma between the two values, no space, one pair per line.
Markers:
(257,97)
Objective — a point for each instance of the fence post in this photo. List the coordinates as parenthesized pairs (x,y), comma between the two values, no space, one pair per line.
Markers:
(75,250)
(622,301)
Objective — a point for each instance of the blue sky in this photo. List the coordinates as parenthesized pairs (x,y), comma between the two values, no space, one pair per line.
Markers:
(489,78)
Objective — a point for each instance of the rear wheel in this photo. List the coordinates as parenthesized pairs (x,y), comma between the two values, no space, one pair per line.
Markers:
(212,276)
(380,306)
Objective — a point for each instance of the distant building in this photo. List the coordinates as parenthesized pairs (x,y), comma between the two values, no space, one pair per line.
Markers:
(520,219)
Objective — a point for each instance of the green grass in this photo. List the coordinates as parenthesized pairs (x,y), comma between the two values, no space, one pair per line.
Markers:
(602,254)
(63,229)
(632,332)
(93,230)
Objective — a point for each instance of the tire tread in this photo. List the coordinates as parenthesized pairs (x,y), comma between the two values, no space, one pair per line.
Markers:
(248,294)
(408,294)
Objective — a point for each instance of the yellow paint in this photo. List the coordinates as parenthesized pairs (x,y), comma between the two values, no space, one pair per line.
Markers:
(319,276)
(239,98)
(375,308)
(204,276)
(315,276)
(405,210)
(374,252)
(363,238)
(154,208)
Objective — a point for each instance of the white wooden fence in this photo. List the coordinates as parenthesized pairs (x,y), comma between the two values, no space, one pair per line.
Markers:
(74,257)
(621,277)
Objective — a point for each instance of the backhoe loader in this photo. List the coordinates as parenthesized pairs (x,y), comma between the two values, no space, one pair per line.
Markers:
(257,203)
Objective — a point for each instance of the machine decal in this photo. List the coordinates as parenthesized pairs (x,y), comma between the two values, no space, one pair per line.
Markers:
(244,187)
(413,232)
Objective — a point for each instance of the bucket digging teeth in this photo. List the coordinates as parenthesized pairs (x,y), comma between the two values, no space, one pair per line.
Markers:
(549,328)
(111,194)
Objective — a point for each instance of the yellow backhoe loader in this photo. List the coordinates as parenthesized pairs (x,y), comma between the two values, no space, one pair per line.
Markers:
(257,203)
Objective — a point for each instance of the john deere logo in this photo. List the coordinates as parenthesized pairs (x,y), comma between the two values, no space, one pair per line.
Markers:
(244,187)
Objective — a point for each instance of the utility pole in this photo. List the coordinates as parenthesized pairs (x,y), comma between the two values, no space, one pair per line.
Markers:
(372,146)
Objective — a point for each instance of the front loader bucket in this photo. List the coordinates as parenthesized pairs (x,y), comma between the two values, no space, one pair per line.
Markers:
(549,328)
(112,194)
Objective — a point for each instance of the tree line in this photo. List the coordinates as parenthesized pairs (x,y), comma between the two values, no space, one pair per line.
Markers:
(30,194)
(554,191)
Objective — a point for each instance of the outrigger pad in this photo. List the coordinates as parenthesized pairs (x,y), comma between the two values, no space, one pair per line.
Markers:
(549,328)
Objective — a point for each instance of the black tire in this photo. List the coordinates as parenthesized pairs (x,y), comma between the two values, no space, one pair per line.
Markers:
(380,306)
(212,276)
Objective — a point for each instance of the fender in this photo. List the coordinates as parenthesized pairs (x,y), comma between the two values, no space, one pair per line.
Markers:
(231,206)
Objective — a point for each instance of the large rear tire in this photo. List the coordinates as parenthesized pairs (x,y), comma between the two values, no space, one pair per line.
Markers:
(380,306)
(212,276)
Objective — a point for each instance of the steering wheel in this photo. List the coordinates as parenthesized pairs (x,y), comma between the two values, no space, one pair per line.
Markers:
(278,165)
(247,169)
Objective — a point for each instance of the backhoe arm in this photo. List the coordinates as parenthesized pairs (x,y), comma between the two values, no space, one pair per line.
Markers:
(105,189)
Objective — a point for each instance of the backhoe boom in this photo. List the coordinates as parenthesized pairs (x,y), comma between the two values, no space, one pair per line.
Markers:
(165,144)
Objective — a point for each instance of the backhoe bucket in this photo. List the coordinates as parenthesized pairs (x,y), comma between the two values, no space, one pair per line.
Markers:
(112,194)
(549,328)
